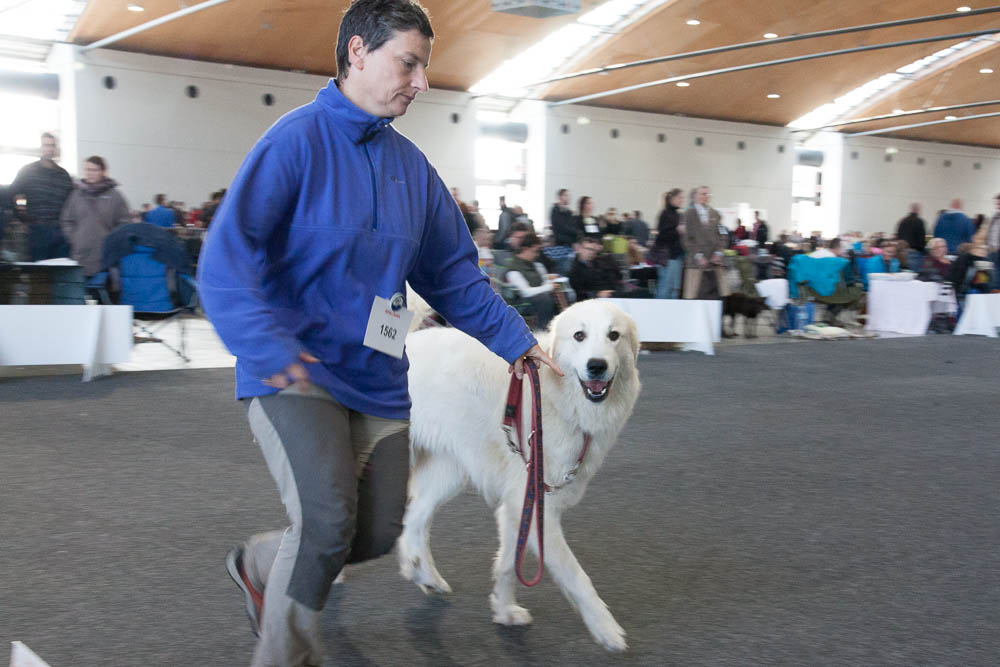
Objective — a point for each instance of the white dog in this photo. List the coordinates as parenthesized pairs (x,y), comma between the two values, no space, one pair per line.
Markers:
(459,390)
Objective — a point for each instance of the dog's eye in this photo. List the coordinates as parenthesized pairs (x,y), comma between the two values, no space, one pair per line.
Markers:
(614,335)
(579,335)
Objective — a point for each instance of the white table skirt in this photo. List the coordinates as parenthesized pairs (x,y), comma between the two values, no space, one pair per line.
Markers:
(981,316)
(94,336)
(774,291)
(900,306)
(695,323)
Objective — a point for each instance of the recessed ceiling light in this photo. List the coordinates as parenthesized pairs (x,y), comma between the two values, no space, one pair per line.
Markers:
(582,120)
(951,117)
(891,150)
(986,70)
(136,8)
(898,111)
(683,84)
(963,8)
(773,96)
(770,35)
(693,22)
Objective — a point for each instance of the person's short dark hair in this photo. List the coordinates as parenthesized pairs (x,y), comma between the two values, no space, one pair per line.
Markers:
(48,135)
(530,240)
(561,191)
(376,22)
(159,199)
(519,227)
(670,195)
(583,200)
(637,215)
(834,244)
(99,161)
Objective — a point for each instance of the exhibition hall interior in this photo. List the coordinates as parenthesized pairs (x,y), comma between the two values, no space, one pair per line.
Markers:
(753,249)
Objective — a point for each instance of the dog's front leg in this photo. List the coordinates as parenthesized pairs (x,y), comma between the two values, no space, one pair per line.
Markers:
(503,600)
(577,587)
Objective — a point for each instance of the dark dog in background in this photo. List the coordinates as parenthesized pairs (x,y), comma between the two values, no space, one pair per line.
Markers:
(747,306)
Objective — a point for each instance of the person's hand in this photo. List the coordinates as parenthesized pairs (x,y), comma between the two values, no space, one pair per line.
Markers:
(702,262)
(293,373)
(717,259)
(605,294)
(536,353)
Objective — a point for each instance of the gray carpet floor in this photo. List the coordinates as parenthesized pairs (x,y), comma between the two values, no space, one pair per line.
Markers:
(830,503)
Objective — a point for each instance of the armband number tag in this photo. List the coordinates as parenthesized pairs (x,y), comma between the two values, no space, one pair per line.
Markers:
(387,328)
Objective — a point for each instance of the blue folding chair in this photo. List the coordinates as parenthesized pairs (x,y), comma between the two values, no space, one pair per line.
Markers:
(157,293)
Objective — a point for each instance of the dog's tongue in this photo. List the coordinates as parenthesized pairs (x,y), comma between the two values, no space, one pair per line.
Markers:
(596,386)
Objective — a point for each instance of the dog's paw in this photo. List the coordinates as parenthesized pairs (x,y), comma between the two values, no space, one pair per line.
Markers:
(416,570)
(611,636)
(512,615)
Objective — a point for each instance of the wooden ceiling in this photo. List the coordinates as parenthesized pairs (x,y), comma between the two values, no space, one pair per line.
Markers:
(471,41)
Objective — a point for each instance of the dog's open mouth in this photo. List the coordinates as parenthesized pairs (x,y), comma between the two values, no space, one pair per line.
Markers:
(596,390)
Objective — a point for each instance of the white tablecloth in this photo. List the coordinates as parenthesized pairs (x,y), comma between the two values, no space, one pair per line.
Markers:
(900,306)
(774,291)
(94,336)
(695,323)
(981,316)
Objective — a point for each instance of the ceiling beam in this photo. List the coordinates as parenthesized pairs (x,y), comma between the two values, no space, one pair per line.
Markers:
(152,24)
(897,128)
(771,63)
(912,112)
(762,42)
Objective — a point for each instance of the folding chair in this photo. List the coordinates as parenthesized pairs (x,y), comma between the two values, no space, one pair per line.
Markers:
(157,293)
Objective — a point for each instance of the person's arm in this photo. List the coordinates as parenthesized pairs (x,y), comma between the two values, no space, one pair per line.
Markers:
(123,215)
(232,262)
(67,218)
(446,274)
(523,288)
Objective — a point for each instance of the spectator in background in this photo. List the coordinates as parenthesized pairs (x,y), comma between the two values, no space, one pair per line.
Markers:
(705,237)
(612,225)
(760,232)
(39,192)
(585,219)
(667,250)
(518,231)
(978,221)
(638,229)
(993,244)
(562,222)
(595,275)
(504,223)
(740,233)
(954,227)
(912,229)
(529,277)
(162,215)
(936,266)
(92,210)
(208,212)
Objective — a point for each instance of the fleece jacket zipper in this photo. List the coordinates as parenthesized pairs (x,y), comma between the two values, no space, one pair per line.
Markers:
(371,171)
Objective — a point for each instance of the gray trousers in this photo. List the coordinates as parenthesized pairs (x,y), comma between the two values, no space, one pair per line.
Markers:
(342,477)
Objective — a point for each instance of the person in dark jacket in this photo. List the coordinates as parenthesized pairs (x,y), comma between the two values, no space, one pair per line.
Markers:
(92,211)
(668,250)
(39,192)
(595,275)
(760,232)
(585,219)
(913,229)
(563,222)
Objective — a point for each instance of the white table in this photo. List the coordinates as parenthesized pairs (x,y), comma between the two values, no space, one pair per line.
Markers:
(900,306)
(695,323)
(774,291)
(94,336)
(981,315)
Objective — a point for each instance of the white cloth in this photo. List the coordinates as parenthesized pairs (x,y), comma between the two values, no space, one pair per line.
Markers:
(774,291)
(521,283)
(981,315)
(901,306)
(821,253)
(695,323)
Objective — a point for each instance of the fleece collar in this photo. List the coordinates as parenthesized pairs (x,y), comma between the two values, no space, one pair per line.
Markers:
(359,125)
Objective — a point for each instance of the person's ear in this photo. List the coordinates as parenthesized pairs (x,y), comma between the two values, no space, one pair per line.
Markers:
(356,52)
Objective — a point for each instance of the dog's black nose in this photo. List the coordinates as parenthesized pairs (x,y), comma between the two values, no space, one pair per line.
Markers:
(596,367)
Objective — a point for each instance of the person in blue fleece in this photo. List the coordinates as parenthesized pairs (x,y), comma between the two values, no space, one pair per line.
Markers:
(331,210)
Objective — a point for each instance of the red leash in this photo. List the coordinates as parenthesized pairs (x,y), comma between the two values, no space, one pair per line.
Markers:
(534,490)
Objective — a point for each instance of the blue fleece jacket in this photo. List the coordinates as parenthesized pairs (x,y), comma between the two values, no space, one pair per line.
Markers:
(331,208)
(955,228)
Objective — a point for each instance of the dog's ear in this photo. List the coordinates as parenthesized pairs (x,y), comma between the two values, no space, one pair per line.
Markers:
(632,336)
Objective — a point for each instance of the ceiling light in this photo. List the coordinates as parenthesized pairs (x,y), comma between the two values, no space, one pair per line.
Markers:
(136,8)
(951,117)
(773,96)
(770,35)
(986,70)
(891,150)
(683,84)
(898,111)
(963,8)
(582,120)
(693,22)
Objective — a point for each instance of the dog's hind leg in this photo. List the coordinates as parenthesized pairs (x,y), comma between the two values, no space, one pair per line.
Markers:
(503,600)
(434,480)
(577,587)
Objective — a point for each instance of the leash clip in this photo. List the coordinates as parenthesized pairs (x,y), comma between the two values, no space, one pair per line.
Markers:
(514,447)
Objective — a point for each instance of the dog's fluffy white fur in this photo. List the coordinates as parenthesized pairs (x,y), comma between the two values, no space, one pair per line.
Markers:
(459,389)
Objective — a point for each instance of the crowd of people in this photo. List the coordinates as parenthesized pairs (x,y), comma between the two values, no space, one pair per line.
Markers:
(690,253)
(45,214)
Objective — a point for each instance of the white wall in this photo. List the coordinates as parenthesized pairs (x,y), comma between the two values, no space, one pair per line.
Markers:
(876,194)
(634,170)
(157,139)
